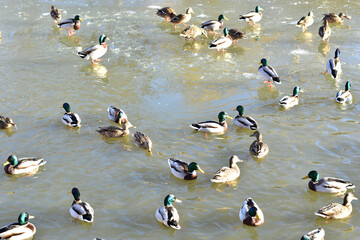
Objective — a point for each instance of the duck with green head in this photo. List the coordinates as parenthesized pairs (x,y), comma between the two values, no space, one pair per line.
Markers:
(268,73)
(327,184)
(71,25)
(221,42)
(344,96)
(213,25)
(94,53)
(6,122)
(244,121)
(213,126)
(183,170)
(70,119)
(252,17)
(228,174)
(290,101)
(317,234)
(251,214)
(333,66)
(167,214)
(20,230)
(79,209)
(27,165)
(337,210)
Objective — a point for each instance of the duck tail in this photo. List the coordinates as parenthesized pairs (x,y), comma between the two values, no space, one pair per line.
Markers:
(195,126)
(276,80)
(81,54)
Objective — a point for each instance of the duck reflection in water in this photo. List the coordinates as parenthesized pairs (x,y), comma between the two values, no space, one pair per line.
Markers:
(266,93)
(71,41)
(324,47)
(97,70)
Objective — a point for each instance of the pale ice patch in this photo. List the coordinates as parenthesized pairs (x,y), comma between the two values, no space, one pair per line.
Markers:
(202,15)
(249,75)
(45,14)
(154,7)
(300,52)
(293,22)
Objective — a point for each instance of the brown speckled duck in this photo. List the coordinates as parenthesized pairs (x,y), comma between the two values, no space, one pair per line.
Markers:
(333,18)
(337,210)
(182,18)
(55,13)
(167,12)
(258,149)
(236,35)
(142,141)
(113,131)
(325,31)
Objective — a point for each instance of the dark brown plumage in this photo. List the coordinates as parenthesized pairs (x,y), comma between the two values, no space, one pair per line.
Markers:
(166,12)
(55,13)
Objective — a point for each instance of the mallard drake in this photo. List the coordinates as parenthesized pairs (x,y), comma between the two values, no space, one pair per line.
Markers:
(27,165)
(167,214)
(268,72)
(20,230)
(333,66)
(325,31)
(244,121)
(182,18)
(166,12)
(94,53)
(344,96)
(253,16)
(306,21)
(317,234)
(6,122)
(337,210)
(79,209)
(290,101)
(113,131)
(250,213)
(55,13)
(327,184)
(213,126)
(228,174)
(71,25)
(333,18)
(192,31)
(142,141)
(184,170)
(213,25)
(258,148)
(70,119)
(117,115)
(236,34)
(221,42)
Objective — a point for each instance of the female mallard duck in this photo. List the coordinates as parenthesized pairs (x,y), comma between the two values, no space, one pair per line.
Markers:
(79,209)
(236,34)
(344,96)
(192,31)
(27,165)
(244,121)
(70,119)
(166,12)
(333,66)
(253,16)
(142,141)
(337,210)
(94,53)
(6,122)
(55,13)
(290,101)
(251,214)
(327,184)
(258,149)
(167,214)
(213,126)
(325,31)
(71,24)
(182,18)
(184,170)
(268,72)
(222,42)
(113,131)
(228,174)
(306,21)
(20,230)
(117,115)
(317,234)
(333,18)
(213,25)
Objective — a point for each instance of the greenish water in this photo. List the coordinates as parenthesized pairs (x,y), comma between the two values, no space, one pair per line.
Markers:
(164,83)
